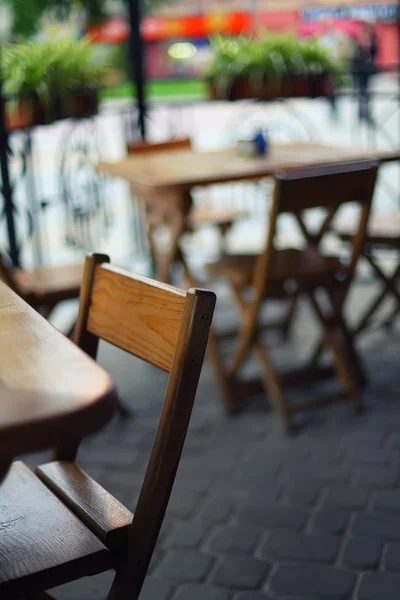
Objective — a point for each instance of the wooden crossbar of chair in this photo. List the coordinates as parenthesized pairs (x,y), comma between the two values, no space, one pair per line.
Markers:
(280,274)
(222,219)
(168,329)
(378,238)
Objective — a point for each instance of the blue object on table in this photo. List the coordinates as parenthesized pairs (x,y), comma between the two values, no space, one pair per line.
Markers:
(261,144)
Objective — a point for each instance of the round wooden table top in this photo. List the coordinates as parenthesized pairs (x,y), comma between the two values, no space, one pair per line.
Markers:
(50,391)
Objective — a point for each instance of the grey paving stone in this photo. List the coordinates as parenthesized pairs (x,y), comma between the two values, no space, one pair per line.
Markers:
(183,503)
(365,454)
(285,545)
(156,590)
(362,553)
(280,516)
(216,511)
(392,558)
(303,493)
(324,583)
(332,521)
(334,475)
(201,592)
(379,586)
(234,540)
(251,596)
(379,478)
(387,501)
(186,566)
(241,573)
(188,535)
(346,497)
(381,526)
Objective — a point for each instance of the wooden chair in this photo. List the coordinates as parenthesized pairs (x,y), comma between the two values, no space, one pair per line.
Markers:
(383,233)
(167,328)
(44,287)
(221,218)
(292,273)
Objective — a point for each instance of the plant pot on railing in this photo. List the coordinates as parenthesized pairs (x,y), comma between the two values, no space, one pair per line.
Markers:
(318,85)
(300,87)
(77,104)
(272,88)
(19,112)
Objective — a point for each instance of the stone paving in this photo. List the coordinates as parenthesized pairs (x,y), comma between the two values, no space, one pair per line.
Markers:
(257,514)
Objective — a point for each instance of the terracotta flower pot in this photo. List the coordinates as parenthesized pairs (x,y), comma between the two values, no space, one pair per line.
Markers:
(318,85)
(299,86)
(19,112)
(79,103)
(243,89)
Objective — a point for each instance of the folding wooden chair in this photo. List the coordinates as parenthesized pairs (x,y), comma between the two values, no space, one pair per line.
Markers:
(292,273)
(221,218)
(169,329)
(383,233)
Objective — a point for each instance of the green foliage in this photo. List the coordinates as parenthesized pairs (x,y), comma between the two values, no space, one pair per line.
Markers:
(270,55)
(51,68)
(27,13)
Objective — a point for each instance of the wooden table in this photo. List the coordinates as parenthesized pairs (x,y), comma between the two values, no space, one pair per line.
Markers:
(50,391)
(164,179)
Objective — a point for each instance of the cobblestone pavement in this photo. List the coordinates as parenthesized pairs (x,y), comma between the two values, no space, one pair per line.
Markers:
(257,514)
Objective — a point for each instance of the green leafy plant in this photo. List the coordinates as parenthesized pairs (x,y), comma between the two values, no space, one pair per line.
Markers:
(28,13)
(267,55)
(50,68)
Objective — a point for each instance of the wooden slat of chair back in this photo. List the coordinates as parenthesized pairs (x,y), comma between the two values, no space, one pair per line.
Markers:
(327,187)
(143,148)
(136,314)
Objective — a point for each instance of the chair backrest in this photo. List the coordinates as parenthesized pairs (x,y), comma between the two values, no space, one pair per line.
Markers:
(144,148)
(328,188)
(169,329)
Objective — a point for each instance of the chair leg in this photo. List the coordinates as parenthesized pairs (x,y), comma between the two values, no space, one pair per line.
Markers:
(224,381)
(389,322)
(390,287)
(271,380)
(331,328)
(272,383)
(289,317)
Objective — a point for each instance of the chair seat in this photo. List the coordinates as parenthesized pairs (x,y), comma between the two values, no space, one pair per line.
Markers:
(51,284)
(42,544)
(201,217)
(382,230)
(306,269)
(214,216)
(107,518)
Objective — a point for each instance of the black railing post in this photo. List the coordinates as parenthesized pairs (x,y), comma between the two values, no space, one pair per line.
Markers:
(136,62)
(6,188)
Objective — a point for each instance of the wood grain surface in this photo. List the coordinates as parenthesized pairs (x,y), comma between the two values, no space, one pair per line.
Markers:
(143,320)
(67,393)
(186,168)
(94,506)
(41,542)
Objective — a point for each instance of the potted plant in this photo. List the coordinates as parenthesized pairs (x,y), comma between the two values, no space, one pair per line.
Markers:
(269,66)
(49,80)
